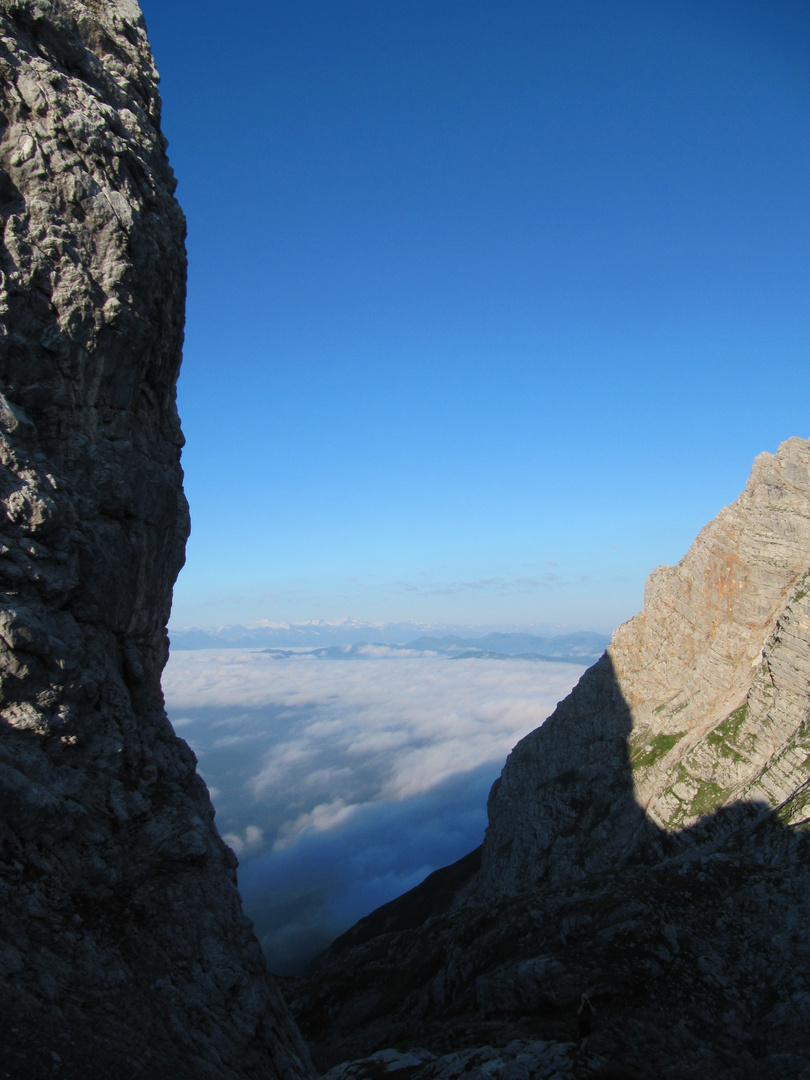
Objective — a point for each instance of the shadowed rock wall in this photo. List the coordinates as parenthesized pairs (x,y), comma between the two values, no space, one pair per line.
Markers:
(123,947)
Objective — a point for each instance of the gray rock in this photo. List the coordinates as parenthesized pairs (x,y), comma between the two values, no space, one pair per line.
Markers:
(123,946)
(518,1060)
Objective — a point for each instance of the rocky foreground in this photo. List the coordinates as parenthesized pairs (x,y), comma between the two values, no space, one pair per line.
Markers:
(124,951)
(646,845)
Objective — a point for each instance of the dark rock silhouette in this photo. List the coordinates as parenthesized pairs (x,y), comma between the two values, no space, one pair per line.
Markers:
(124,951)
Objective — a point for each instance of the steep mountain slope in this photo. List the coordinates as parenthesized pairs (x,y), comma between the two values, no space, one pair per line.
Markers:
(646,844)
(123,947)
(699,702)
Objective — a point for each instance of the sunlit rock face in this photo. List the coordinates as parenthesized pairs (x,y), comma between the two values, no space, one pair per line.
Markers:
(700,702)
(123,947)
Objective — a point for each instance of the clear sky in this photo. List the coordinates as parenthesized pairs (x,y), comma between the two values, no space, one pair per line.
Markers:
(491,303)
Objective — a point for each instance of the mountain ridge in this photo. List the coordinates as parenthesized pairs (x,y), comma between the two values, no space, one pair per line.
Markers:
(351,632)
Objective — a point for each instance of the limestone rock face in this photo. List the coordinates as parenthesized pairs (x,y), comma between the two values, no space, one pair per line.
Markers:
(700,702)
(123,947)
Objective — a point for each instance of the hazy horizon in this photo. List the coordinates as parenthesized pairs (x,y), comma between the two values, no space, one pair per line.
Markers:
(398,627)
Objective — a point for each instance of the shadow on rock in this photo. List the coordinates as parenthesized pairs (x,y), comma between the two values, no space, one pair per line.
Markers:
(691,945)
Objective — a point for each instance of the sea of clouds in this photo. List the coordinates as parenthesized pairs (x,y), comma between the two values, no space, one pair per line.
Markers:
(342,784)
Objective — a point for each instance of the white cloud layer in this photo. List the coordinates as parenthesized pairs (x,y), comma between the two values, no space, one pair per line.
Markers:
(340,784)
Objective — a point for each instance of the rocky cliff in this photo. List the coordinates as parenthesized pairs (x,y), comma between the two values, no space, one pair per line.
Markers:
(646,844)
(123,948)
(700,701)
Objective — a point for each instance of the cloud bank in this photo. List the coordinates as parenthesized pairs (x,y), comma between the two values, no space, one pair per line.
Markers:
(342,784)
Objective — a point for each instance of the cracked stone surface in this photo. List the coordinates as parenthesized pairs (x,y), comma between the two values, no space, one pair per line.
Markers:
(123,947)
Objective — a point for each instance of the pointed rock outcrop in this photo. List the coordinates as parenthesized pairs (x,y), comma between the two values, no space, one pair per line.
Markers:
(700,702)
(124,951)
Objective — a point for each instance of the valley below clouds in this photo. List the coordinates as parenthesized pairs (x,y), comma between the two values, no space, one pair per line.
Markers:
(342,784)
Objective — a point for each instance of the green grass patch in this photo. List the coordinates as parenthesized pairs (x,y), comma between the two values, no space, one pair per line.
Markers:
(728,731)
(710,795)
(718,743)
(794,807)
(656,749)
(804,587)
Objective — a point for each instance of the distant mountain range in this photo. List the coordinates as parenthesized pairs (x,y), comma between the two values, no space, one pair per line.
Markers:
(429,636)
(583,645)
(316,639)
(293,635)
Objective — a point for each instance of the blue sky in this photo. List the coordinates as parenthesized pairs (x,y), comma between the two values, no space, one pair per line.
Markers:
(491,304)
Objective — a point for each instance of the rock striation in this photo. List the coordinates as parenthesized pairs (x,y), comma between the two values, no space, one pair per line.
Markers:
(123,947)
(699,702)
(647,844)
